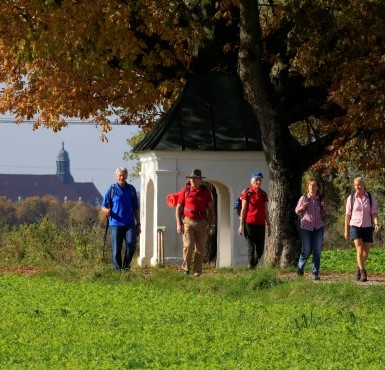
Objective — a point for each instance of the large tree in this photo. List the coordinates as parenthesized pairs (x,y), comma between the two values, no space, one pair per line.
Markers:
(315,67)
(312,70)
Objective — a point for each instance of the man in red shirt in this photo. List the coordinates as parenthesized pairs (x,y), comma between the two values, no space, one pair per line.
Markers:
(253,218)
(194,215)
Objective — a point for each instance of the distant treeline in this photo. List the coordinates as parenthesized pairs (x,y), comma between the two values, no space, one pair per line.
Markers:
(32,210)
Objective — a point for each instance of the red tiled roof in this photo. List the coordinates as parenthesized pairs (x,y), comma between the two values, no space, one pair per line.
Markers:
(13,186)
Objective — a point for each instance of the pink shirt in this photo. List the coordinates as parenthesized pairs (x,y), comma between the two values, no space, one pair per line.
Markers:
(312,218)
(361,216)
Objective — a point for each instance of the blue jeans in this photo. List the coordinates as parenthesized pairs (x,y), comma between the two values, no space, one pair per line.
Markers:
(312,242)
(118,235)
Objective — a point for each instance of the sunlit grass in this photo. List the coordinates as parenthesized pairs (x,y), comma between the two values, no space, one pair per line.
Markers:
(157,318)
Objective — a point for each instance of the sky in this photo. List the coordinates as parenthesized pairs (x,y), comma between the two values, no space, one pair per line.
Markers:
(24,151)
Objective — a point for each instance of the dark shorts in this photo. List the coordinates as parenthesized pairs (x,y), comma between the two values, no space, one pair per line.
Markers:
(364,233)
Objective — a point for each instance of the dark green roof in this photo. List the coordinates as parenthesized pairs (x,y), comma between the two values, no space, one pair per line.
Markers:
(210,114)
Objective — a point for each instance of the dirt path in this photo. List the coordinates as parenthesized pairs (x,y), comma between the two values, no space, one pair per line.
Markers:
(22,270)
(373,279)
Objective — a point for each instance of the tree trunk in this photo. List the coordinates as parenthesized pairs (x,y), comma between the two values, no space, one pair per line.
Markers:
(283,246)
(283,154)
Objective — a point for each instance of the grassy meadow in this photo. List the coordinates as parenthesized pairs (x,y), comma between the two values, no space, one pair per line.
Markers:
(62,307)
(161,319)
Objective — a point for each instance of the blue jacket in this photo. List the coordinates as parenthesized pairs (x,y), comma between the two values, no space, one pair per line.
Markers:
(124,203)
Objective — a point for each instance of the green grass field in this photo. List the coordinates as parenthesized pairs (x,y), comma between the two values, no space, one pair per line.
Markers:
(161,319)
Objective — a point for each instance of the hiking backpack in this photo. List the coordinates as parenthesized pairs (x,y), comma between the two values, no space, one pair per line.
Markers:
(112,192)
(320,198)
(353,198)
(238,201)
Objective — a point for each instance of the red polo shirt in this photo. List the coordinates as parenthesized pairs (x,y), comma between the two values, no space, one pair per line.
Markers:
(194,201)
(256,213)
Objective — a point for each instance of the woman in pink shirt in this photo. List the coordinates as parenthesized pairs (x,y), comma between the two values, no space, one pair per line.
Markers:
(310,208)
(361,213)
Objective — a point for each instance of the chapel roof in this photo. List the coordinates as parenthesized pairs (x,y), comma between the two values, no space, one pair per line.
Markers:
(210,114)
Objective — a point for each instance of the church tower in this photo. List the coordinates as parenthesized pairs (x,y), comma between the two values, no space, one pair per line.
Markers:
(63,167)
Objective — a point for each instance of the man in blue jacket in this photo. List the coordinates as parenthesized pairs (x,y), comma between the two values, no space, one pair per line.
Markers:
(120,205)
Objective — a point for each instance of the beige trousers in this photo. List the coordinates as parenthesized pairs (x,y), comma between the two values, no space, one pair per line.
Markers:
(194,240)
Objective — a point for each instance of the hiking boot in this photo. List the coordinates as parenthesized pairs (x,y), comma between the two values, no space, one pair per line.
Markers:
(196,274)
(316,277)
(364,276)
(300,272)
(186,272)
(358,273)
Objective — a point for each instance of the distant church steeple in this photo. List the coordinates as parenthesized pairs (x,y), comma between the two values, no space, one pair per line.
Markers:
(63,167)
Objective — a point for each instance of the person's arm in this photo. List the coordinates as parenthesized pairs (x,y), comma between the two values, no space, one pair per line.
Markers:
(374,215)
(346,231)
(348,216)
(137,220)
(105,208)
(267,219)
(376,222)
(178,218)
(302,205)
(242,217)
(106,211)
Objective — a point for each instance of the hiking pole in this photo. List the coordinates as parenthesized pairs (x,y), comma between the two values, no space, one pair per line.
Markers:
(104,241)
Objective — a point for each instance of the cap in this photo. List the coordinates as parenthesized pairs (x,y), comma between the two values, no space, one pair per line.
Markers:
(257,175)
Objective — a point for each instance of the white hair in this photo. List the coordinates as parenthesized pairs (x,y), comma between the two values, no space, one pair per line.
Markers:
(121,169)
(361,180)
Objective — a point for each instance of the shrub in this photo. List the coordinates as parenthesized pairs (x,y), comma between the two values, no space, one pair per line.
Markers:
(45,243)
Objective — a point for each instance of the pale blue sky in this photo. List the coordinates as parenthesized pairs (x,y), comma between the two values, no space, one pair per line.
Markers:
(24,151)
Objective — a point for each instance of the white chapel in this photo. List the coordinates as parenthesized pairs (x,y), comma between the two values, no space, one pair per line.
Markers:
(210,127)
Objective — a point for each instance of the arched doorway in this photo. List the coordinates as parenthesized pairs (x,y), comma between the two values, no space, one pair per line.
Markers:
(223,241)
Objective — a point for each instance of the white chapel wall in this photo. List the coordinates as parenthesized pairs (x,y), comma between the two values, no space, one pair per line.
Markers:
(164,172)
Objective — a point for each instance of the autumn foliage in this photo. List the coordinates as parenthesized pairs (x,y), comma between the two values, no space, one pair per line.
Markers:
(90,59)
(324,62)
(32,210)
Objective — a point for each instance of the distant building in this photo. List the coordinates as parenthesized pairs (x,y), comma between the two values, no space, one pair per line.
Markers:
(61,185)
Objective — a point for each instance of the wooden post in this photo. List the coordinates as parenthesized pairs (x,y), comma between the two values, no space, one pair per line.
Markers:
(160,244)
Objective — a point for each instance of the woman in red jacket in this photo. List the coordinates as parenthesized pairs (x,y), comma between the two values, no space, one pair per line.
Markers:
(253,218)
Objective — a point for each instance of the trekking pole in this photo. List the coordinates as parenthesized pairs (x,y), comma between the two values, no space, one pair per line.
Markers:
(104,242)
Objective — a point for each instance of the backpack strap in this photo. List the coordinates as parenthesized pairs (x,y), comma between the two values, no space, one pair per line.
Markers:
(111,194)
(248,197)
(187,189)
(353,198)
